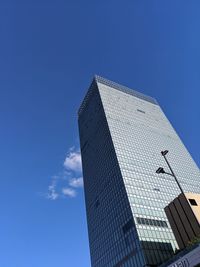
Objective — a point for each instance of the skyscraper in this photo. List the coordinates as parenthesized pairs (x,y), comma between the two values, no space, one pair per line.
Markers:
(121,135)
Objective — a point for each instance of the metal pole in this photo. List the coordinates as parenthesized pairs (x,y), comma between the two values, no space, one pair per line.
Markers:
(174,175)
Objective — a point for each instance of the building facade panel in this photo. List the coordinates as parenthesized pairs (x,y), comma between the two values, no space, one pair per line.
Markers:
(112,234)
(183,215)
(128,132)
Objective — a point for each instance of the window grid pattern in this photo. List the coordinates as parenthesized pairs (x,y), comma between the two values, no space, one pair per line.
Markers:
(138,138)
(113,240)
(124,89)
(121,134)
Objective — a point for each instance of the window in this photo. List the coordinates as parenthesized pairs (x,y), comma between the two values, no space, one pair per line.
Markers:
(152,222)
(97,204)
(128,226)
(193,202)
(156,189)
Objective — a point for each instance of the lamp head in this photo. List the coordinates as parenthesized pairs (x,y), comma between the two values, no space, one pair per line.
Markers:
(160,170)
(164,152)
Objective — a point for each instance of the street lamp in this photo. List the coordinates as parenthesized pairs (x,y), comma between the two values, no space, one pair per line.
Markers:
(161,170)
(164,152)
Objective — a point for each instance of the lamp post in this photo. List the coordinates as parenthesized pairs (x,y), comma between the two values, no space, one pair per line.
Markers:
(161,170)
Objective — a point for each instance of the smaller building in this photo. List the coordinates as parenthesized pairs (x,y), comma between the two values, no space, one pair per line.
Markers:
(183,214)
(190,257)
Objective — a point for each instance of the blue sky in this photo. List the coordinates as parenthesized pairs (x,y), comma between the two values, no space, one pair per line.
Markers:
(49,52)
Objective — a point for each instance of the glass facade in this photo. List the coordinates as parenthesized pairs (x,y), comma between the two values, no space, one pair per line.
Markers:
(121,134)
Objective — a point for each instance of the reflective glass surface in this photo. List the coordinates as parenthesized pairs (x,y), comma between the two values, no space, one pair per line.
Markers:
(121,136)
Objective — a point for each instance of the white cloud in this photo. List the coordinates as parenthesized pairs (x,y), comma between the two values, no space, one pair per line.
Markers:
(76,182)
(52,194)
(73,161)
(69,192)
(72,148)
(67,182)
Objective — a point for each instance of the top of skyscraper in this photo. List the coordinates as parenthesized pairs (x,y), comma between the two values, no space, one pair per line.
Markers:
(125,89)
(98,79)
